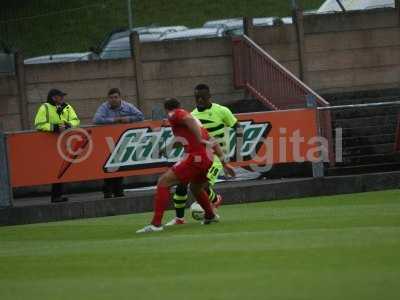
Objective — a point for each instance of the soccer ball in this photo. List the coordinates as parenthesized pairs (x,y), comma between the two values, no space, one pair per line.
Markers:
(196,211)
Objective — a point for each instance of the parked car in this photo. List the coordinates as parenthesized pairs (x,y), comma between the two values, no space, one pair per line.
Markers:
(333,6)
(194,33)
(162,29)
(58,58)
(382,5)
(146,30)
(234,27)
(220,22)
(117,43)
(238,22)
(120,48)
(287,20)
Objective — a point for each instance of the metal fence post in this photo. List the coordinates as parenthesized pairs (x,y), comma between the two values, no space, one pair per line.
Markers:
(5,184)
(21,83)
(248,26)
(311,101)
(248,30)
(317,167)
(136,52)
(298,18)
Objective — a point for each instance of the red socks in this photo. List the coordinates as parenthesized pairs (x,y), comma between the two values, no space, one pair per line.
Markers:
(205,203)
(160,204)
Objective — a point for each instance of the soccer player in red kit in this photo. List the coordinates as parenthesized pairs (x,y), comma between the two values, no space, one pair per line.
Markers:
(193,168)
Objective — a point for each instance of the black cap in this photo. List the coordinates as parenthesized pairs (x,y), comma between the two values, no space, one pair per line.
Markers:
(55,92)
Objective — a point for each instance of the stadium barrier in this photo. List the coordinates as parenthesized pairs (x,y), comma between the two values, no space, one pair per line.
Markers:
(91,153)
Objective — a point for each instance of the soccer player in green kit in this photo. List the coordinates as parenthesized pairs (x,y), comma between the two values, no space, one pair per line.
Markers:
(217,120)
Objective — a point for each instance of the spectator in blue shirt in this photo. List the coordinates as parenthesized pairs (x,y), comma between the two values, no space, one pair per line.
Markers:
(114,111)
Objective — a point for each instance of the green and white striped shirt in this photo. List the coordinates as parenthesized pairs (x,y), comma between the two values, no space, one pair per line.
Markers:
(217,120)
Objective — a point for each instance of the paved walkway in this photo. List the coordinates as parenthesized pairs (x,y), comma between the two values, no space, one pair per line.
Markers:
(242,175)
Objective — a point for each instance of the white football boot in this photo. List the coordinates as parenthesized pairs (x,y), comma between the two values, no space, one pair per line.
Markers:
(150,228)
(176,221)
(210,221)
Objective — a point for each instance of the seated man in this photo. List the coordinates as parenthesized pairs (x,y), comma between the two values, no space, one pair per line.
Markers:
(193,168)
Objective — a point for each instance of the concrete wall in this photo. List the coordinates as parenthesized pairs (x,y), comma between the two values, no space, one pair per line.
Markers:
(10,118)
(281,43)
(174,68)
(86,83)
(353,51)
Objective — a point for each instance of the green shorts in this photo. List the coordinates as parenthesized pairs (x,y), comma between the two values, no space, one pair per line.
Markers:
(214,170)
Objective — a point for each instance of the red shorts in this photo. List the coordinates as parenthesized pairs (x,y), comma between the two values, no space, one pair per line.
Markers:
(193,168)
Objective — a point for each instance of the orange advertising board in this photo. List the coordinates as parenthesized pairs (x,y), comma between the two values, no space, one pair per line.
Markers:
(98,152)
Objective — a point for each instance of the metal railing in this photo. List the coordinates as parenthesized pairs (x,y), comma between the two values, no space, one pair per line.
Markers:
(266,79)
(322,113)
(362,105)
(274,85)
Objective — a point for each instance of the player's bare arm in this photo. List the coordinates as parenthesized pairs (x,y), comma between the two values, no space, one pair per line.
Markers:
(229,170)
(193,125)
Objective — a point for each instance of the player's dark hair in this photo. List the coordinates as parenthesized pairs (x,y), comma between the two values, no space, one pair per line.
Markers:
(202,91)
(171,103)
(114,91)
(202,87)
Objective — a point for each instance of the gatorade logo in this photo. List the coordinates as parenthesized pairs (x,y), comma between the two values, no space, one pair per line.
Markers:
(148,148)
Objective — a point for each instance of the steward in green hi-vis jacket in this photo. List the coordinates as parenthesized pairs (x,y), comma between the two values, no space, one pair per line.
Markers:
(56,116)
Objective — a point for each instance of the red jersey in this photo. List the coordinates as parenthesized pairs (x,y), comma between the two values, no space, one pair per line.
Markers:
(184,135)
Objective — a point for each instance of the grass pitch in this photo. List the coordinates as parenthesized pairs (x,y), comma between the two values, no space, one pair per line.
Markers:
(341,247)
